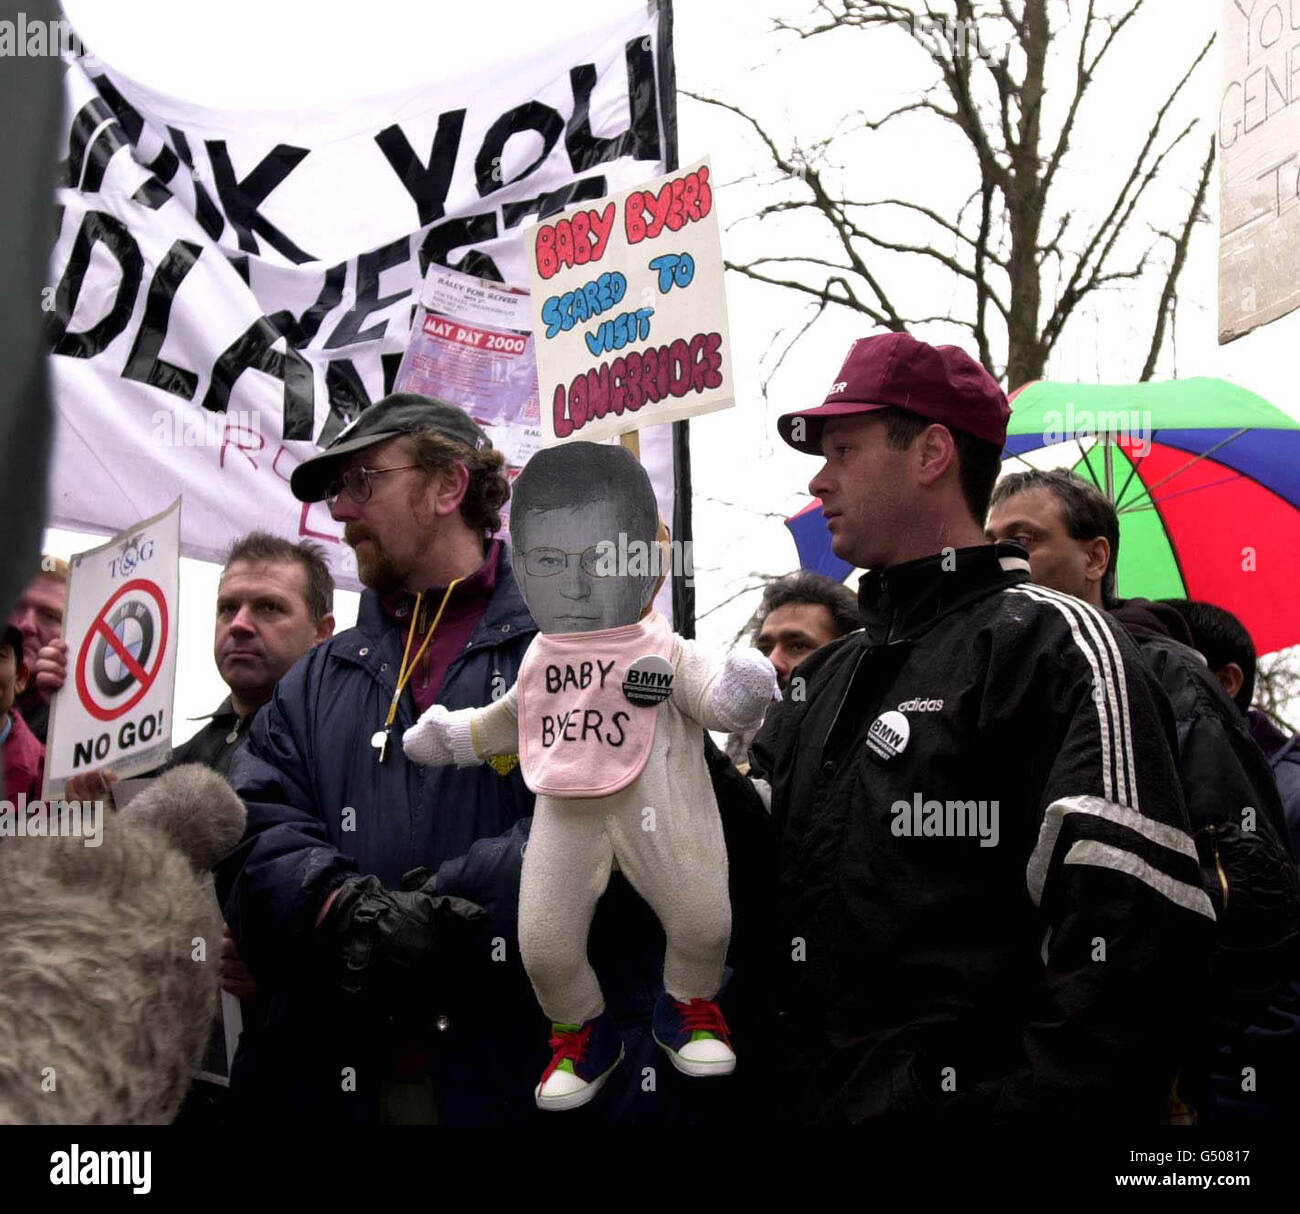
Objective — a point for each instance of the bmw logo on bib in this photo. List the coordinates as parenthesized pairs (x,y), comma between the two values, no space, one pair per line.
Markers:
(649,681)
(887,737)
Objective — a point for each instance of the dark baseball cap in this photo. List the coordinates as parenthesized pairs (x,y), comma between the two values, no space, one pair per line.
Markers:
(895,371)
(12,637)
(401,413)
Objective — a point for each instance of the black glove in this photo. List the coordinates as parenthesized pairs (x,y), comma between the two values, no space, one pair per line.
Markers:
(390,946)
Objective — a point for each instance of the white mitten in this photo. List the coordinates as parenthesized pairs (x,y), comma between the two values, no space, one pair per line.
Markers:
(743,689)
(440,737)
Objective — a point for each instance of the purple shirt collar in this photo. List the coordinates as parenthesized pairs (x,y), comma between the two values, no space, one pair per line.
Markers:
(477,588)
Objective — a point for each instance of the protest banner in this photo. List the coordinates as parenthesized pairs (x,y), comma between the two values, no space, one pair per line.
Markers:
(229,289)
(115,709)
(630,314)
(1259,166)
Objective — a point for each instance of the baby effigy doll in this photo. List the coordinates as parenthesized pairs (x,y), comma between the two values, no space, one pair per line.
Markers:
(607,718)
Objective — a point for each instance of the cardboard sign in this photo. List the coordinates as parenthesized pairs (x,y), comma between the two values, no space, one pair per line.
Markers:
(630,317)
(472,344)
(115,709)
(1259,200)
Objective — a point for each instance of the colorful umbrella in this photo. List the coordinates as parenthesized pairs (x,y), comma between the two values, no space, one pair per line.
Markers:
(1205,476)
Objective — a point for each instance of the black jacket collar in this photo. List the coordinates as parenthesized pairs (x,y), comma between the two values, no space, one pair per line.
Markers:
(904,600)
(223,714)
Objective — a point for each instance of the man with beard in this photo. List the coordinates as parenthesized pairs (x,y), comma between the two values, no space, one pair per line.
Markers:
(376,899)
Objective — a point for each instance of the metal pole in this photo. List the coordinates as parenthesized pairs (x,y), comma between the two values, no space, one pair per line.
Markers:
(1108,460)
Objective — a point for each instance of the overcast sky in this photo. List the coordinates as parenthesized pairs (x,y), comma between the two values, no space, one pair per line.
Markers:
(253,54)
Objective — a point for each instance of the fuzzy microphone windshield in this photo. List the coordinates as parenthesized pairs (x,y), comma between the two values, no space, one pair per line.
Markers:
(109,955)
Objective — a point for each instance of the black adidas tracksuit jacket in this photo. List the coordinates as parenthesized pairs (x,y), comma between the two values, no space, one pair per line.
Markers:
(990,906)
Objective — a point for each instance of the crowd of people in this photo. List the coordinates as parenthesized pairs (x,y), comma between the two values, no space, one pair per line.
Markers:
(1006,848)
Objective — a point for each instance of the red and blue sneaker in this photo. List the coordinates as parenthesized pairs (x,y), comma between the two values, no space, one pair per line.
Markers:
(694,1036)
(583,1055)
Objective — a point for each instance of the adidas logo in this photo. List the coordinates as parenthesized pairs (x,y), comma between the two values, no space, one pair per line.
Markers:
(921,706)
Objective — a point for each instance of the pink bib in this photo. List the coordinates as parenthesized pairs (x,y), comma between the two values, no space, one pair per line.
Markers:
(588,703)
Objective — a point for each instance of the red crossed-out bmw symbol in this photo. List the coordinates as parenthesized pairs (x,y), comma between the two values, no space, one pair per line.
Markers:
(123,650)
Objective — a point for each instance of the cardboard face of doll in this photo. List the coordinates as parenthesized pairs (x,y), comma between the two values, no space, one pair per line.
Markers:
(584,521)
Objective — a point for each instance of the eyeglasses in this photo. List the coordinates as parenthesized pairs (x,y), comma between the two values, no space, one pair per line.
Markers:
(547,562)
(356,482)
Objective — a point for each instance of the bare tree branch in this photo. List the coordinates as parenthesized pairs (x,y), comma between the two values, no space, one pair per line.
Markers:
(1167,296)
(995,241)
(1113,223)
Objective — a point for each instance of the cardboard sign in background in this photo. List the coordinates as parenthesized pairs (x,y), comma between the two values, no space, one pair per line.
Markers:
(1259,174)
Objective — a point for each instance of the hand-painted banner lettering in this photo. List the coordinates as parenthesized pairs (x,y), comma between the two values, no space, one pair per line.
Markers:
(239,265)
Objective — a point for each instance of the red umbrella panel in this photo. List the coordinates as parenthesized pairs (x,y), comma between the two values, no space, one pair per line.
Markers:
(1193,527)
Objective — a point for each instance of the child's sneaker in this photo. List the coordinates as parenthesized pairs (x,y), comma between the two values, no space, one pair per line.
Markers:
(694,1036)
(582,1058)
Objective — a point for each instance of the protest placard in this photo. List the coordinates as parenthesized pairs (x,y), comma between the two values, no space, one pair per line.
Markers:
(115,709)
(630,316)
(1259,194)
(472,345)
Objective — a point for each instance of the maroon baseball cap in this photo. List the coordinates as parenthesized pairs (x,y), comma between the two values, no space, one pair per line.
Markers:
(895,371)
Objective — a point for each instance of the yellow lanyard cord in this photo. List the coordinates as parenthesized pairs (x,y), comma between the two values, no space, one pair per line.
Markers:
(405,672)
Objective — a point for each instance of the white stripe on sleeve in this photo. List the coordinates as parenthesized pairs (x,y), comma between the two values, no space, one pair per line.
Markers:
(1111,728)
(1103,634)
(1103,855)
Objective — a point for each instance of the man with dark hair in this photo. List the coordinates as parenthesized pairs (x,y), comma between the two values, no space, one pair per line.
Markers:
(967,798)
(1222,640)
(1070,530)
(1072,536)
(274,602)
(798,615)
(1229,652)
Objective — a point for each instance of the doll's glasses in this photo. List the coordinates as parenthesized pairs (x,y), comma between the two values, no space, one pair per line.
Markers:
(547,562)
